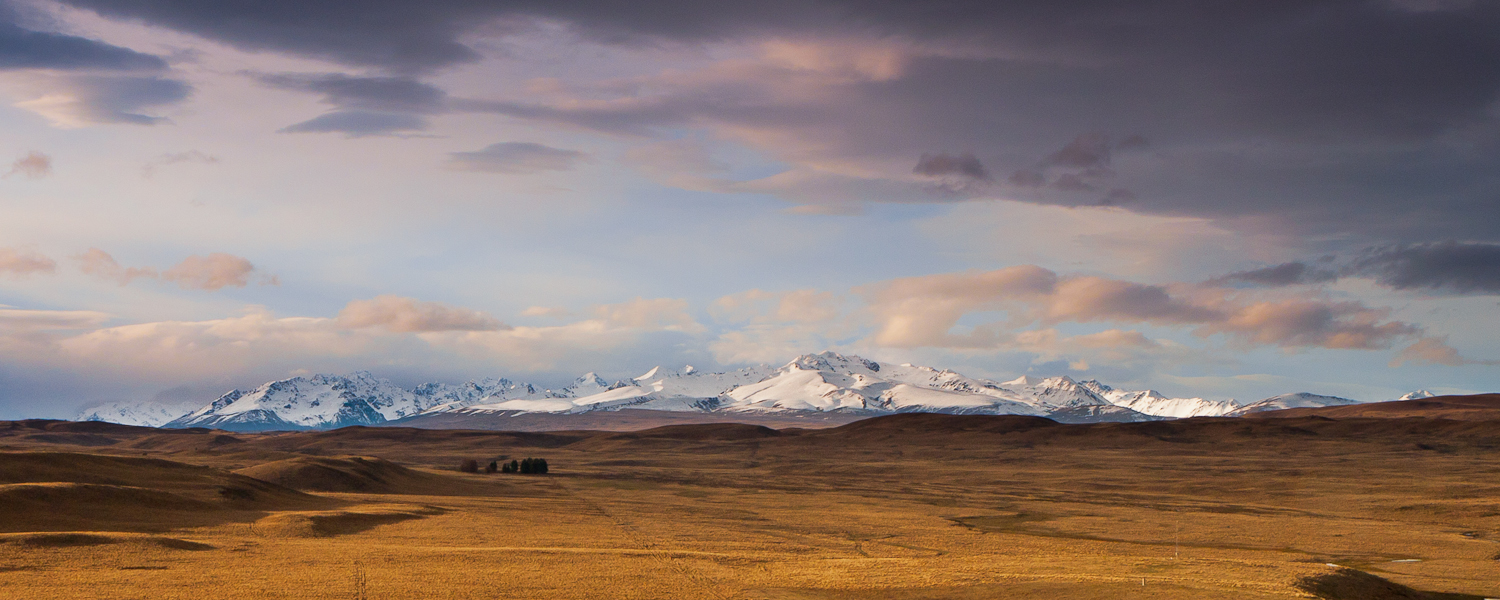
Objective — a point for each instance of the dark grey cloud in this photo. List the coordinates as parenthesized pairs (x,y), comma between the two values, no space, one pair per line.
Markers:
(1361,117)
(25,48)
(365,106)
(516,158)
(944,164)
(1291,273)
(384,94)
(1088,151)
(1464,268)
(393,34)
(1027,178)
(358,123)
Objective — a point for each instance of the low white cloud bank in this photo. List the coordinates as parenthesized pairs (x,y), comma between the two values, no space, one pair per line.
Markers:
(1022,309)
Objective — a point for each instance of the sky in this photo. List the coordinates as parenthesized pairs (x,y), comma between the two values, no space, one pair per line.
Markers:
(1214,199)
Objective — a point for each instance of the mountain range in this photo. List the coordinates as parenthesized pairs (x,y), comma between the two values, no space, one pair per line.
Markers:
(824,383)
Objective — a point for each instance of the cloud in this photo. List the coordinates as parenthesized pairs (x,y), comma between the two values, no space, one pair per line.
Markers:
(80,100)
(1434,351)
(364,105)
(1027,178)
(1087,151)
(26,49)
(358,123)
(924,311)
(34,165)
(962,165)
(19,263)
(213,272)
(191,156)
(14,320)
(1290,273)
(400,38)
(100,264)
(1309,323)
(1084,299)
(516,158)
(556,312)
(921,311)
(663,314)
(409,315)
(1464,268)
(797,306)
(380,94)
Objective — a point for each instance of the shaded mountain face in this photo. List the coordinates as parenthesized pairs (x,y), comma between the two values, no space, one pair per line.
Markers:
(821,383)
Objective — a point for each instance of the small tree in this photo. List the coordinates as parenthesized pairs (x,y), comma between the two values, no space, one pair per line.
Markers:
(491,468)
(469,465)
(507,468)
(515,467)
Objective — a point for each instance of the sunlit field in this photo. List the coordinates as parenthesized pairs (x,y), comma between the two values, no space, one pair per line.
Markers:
(911,506)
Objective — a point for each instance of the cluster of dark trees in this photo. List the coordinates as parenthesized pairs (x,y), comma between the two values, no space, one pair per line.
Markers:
(525,466)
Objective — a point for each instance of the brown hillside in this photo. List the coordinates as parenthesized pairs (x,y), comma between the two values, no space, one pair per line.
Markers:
(54,491)
(352,474)
(1480,407)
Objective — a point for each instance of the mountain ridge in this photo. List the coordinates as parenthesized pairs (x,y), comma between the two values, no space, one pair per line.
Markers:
(821,383)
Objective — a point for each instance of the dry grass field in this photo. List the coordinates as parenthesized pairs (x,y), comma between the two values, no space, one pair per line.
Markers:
(903,507)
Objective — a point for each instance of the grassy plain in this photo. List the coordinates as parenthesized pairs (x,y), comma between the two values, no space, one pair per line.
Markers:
(906,507)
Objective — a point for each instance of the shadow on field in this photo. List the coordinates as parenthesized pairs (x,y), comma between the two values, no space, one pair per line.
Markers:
(1349,584)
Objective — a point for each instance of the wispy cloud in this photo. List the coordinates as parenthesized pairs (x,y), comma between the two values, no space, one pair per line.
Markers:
(17,262)
(516,158)
(34,165)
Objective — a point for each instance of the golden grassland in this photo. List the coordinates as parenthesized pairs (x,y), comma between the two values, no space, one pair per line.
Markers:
(926,507)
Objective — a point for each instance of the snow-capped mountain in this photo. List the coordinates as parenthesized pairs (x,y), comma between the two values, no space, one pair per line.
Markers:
(824,382)
(1417,395)
(144,413)
(1295,400)
(830,381)
(1153,403)
(320,401)
(441,397)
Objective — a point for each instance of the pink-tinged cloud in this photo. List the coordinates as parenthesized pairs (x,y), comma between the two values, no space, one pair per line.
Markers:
(923,311)
(13,320)
(19,263)
(651,314)
(213,272)
(409,315)
(1435,351)
(1314,323)
(100,264)
(34,165)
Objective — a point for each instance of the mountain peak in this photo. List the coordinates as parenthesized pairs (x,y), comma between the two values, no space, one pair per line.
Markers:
(829,360)
(1023,381)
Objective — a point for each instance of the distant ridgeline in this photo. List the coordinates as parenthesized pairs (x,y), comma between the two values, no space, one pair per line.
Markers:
(812,384)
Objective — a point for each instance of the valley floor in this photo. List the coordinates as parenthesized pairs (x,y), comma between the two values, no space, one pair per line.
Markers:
(894,509)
